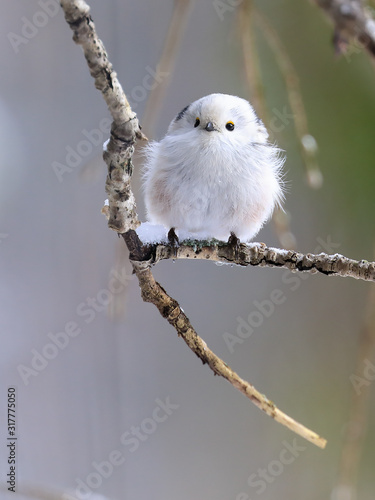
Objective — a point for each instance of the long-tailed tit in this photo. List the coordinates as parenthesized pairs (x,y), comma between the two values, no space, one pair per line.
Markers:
(214,173)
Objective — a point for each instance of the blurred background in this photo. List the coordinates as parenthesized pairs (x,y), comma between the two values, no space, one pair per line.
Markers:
(109,400)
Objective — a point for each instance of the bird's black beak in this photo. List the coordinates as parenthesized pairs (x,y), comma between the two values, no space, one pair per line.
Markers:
(209,127)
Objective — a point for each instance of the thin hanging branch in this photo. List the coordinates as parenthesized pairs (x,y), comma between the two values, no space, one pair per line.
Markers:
(122,218)
(251,66)
(171,47)
(308,146)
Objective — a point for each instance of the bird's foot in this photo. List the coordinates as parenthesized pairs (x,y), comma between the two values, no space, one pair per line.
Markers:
(234,242)
(173,239)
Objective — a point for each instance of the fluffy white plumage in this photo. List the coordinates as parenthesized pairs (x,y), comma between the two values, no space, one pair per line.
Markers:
(214,172)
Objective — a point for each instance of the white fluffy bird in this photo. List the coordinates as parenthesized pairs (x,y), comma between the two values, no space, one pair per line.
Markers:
(214,174)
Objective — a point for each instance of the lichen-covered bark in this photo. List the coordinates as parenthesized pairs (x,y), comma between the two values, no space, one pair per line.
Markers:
(252,254)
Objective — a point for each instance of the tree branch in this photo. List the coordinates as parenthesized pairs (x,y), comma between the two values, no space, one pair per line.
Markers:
(351,20)
(167,61)
(125,127)
(169,308)
(251,254)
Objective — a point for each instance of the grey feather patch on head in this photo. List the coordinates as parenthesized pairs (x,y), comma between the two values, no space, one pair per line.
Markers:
(181,113)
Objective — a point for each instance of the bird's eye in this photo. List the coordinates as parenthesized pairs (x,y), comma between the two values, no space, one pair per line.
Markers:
(197,122)
(229,126)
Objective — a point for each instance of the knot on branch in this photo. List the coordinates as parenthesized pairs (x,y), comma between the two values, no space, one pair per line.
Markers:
(75,12)
(118,157)
(138,251)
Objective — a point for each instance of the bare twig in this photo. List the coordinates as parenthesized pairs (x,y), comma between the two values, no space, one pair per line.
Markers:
(253,254)
(307,142)
(172,42)
(172,312)
(250,58)
(251,65)
(125,128)
(351,21)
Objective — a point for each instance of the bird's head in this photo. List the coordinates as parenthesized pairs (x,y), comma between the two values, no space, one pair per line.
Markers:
(220,118)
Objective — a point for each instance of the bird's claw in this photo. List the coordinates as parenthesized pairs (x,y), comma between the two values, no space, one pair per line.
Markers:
(234,242)
(173,239)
